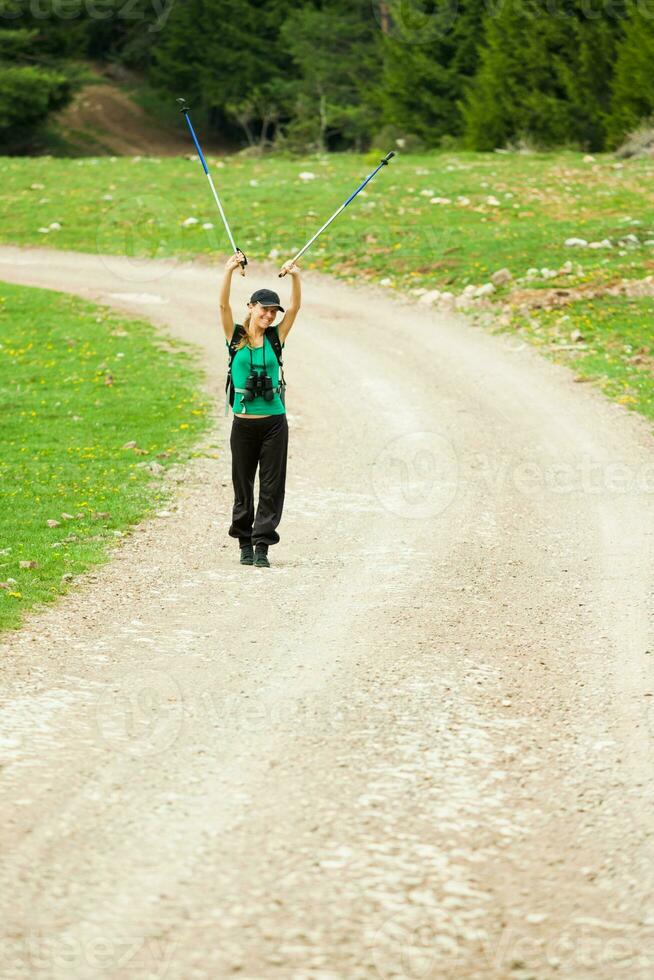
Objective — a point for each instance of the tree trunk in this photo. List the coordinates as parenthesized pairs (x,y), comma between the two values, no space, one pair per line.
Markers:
(244,122)
(384,17)
(323,122)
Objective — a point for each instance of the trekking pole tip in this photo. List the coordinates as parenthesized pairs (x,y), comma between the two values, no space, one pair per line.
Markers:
(388,156)
(182,105)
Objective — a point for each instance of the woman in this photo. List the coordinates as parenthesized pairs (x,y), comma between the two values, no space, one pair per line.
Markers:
(259,435)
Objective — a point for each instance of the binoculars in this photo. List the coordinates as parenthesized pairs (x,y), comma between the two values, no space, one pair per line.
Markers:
(258,383)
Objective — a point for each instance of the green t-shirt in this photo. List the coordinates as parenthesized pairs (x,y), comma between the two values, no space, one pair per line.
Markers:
(240,371)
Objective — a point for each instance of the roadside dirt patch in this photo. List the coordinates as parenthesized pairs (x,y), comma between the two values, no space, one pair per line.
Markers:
(534,299)
(103,118)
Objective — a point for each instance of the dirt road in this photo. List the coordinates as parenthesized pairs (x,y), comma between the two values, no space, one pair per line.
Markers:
(419,746)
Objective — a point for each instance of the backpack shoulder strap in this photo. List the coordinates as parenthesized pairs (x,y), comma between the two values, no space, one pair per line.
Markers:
(239,331)
(275,343)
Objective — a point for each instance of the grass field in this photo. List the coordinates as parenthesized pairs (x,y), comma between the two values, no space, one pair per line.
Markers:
(613,345)
(441,220)
(81,424)
(138,206)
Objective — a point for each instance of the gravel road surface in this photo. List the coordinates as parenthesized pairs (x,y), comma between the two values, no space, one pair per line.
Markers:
(420,745)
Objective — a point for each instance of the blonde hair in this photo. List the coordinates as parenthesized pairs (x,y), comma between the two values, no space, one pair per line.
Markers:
(245,339)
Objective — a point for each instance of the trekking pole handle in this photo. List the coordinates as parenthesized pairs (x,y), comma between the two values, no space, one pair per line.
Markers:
(283,273)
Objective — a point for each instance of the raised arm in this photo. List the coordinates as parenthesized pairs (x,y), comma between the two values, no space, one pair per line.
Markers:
(226,318)
(293,307)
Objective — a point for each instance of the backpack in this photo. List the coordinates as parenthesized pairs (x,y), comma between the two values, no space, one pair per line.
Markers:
(275,343)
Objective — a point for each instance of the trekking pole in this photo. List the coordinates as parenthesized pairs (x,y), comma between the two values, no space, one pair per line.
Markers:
(185,109)
(342,208)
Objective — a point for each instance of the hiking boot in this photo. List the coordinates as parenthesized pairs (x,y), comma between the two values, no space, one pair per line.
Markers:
(247,555)
(261,556)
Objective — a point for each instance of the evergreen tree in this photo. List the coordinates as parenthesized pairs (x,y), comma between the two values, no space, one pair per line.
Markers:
(54,37)
(105,29)
(518,91)
(334,49)
(327,73)
(29,92)
(544,74)
(177,59)
(596,29)
(633,82)
(430,49)
(224,56)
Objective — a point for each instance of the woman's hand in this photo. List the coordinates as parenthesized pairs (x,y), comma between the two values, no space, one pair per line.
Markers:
(234,262)
(290,268)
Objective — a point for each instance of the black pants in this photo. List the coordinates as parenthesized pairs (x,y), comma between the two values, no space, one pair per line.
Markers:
(259,442)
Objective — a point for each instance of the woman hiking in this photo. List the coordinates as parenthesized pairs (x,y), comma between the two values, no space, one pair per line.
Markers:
(259,435)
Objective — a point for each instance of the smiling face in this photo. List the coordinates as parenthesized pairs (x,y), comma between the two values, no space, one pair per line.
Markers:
(261,317)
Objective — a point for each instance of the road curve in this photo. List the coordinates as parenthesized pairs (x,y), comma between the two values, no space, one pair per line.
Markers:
(419,746)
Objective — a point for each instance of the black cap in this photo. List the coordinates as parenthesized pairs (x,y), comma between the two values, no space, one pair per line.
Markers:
(267,297)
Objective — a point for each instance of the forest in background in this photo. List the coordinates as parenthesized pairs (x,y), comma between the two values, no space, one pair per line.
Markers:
(304,75)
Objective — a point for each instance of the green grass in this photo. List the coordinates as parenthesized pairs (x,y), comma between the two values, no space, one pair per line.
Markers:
(393,232)
(77,383)
(613,341)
